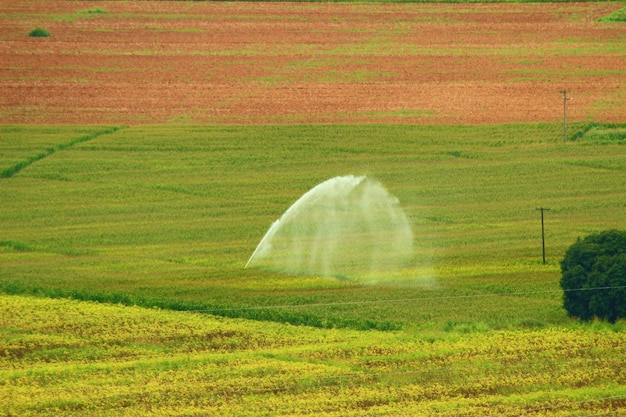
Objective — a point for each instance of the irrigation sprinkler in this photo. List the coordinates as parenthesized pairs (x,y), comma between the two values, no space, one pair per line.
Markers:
(543,234)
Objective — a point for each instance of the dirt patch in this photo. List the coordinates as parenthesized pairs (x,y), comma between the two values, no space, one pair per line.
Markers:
(205,62)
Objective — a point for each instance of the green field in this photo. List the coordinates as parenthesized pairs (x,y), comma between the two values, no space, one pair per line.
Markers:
(167,216)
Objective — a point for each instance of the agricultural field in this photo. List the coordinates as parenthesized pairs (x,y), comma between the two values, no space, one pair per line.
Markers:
(166,217)
(132,62)
(64,357)
(147,147)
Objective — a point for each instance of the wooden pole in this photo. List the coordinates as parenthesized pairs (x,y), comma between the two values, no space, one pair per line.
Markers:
(564,115)
(543,234)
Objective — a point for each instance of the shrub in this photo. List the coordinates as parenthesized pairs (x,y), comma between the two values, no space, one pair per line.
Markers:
(594,277)
(39,33)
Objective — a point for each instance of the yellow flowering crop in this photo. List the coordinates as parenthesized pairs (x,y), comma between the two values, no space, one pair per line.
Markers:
(70,358)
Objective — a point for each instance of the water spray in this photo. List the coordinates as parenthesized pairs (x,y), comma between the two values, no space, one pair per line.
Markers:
(347,226)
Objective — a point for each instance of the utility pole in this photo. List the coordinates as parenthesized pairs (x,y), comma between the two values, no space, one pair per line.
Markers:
(564,115)
(543,234)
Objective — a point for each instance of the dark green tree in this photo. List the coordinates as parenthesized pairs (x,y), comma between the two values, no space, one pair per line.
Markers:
(594,277)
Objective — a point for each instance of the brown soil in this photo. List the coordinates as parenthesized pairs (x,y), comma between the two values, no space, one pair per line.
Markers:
(205,62)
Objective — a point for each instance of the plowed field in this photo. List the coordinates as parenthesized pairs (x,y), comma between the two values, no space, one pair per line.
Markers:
(205,62)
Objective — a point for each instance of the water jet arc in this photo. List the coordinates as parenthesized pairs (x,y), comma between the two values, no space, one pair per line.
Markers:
(347,226)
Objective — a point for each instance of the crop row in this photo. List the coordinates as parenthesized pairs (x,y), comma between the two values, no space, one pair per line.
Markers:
(79,358)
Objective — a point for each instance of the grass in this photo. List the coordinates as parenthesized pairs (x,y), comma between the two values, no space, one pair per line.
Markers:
(17,167)
(167,216)
(601,133)
(616,16)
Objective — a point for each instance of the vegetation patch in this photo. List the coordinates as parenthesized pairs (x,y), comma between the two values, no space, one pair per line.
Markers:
(16,246)
(14,169)
(39,33)
(616,16)
(93,10)
(601,133)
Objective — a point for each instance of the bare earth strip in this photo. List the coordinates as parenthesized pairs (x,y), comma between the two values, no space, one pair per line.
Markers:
(205,62)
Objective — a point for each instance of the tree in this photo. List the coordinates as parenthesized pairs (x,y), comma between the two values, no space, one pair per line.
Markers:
(594,277)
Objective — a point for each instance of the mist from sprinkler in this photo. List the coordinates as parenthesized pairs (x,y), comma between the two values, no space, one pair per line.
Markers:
(347,226)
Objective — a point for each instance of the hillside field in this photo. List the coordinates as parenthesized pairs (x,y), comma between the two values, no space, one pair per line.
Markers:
(146,147)
(64,357)
(167,216)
